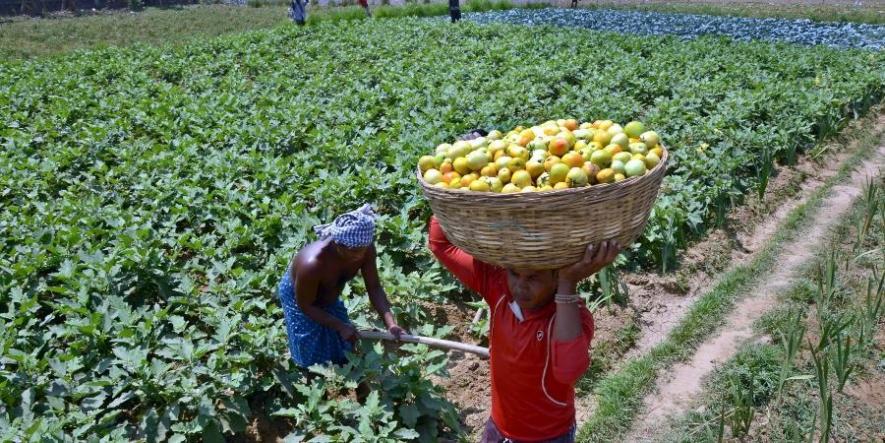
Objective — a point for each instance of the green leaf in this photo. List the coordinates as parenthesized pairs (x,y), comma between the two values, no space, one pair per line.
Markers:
(409,414)
(212,434)
(149,424)
(94,403)
(122,399)
(294,437)
(406,434)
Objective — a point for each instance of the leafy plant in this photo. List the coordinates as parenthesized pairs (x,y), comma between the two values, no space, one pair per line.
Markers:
(827,284)
(765,169)
(791,342)
(873,205)
(822,370)
(720,430)
(402,404)
(480,326)
(743,412)
(841,361)
(872,308)
(831,329)
(404,380)
(611,287)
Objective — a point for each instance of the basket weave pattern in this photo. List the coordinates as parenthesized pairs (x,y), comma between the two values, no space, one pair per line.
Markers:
(544,230)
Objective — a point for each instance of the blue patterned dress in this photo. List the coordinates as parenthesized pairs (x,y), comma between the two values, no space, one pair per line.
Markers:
(310,342)
(297,11)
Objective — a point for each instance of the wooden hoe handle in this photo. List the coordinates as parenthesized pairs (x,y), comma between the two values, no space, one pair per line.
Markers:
(432,342)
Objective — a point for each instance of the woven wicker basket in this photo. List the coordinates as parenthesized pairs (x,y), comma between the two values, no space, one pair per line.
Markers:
(544,230)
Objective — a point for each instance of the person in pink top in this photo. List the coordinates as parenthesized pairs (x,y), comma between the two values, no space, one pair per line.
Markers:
(539,339)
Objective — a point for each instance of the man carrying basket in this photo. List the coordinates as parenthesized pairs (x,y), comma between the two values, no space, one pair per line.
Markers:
(539,339)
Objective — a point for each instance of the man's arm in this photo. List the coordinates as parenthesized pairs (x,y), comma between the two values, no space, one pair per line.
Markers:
(306,287)
(571,358)
(458,262)
(568,318)
(573,327)
(376,293)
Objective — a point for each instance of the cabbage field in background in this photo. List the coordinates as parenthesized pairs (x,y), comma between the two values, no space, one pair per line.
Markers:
(688,26)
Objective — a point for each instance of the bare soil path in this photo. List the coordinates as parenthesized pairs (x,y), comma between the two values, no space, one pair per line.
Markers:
(675,391)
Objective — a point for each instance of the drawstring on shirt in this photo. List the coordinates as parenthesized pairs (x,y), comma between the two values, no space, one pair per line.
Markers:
(547,363)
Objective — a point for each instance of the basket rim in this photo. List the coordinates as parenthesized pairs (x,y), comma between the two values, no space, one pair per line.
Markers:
(489,194)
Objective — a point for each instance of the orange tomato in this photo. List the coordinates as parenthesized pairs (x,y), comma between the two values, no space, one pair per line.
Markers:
(573,159)
(489,170)
(558,146)
(451,176)
(446,167)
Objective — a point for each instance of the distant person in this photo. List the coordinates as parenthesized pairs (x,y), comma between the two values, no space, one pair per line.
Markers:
(365,5)
(317,323)
(454,10)
(298,11)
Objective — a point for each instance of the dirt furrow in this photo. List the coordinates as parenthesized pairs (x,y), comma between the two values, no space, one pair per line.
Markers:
(674,392)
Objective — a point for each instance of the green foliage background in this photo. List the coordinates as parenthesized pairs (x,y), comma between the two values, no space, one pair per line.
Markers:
(150,198)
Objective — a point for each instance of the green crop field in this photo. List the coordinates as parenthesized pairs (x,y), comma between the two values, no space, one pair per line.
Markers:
(151,197)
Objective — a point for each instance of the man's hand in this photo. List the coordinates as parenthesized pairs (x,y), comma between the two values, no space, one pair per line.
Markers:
(595,258)
(348,333)
(397,331)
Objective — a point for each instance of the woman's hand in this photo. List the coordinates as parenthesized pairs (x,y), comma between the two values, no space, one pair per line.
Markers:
(348,333)
(397,331)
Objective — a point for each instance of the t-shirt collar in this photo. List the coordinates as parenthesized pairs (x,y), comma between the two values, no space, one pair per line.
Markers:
(529,315)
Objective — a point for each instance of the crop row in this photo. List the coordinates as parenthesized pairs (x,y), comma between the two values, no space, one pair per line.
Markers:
(806,32)
(150,198)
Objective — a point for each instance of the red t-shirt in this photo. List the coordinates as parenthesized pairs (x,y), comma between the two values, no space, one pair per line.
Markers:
(533,376)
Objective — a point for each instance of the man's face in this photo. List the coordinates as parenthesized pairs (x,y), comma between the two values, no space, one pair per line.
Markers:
(351,254)
(531,289)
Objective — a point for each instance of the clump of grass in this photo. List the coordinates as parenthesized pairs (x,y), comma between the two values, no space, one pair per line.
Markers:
(266,3)
(31,38)
(536,5)
(345,13)
(873,202)
(841,361)
(822,372)
(742,413)
(791,341)
(411,10)
(873,307)
(744,383)
(487,5)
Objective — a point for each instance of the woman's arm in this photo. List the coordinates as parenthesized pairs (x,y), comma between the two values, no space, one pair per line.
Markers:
(377,296)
